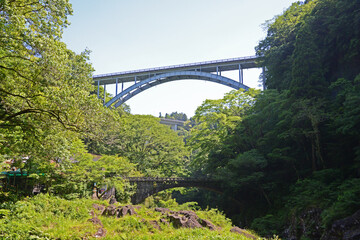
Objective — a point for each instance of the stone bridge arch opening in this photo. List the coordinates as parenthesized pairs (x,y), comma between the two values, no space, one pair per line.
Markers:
(146,187)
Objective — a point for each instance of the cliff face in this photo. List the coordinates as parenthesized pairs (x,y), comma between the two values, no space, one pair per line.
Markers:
(309,225)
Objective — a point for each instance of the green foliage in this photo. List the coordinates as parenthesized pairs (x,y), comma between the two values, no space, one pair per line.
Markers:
(346,202)
(82,174)
(45,217)
(50,217)
(296,146)
(45,88)
(309,56)
(79,175)
(346,117)
(216,216)
(246,169)
(154,148)
(277,48)
(268,225)
(177,116)
(317,191)
(216,120)
(310,45)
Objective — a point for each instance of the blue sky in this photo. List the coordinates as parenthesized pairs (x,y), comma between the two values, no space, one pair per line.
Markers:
(135,34)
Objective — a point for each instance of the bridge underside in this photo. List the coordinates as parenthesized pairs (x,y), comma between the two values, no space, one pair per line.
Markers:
(169,77)
(144,79)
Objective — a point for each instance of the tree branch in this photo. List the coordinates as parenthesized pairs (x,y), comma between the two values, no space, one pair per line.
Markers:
(14,70)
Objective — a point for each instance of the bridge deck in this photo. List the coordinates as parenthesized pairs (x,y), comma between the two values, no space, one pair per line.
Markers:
(208,66)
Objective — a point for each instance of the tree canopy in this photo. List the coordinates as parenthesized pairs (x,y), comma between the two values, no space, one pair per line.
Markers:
(154,148)
(46,105)
(294,147)
(44,87)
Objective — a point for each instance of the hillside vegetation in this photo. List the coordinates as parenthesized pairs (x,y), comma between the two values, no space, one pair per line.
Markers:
(50,217)
(290,154)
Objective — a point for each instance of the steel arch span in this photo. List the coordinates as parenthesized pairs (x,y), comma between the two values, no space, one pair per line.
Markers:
(169,77)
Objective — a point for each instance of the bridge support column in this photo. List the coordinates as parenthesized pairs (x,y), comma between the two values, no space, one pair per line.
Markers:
(218,71)
(116,87)
(241,76)
(98,92)
(104,93)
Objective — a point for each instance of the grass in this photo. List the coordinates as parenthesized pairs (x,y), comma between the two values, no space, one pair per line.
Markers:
(50,217)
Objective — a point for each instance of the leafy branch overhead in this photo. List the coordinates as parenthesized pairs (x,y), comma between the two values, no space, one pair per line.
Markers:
(44,87)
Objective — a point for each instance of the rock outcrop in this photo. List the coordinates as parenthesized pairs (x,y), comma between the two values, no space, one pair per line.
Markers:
(345,229)
(184,218)
(101,232)
(208,224)
(187,219)
(99,208)
(308,225)
(179,219)
(163,210)
(242,232)
(128,209)
(119,211)
(155,224)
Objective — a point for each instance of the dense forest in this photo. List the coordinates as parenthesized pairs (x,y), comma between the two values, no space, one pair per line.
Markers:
(290,155)
(287,158)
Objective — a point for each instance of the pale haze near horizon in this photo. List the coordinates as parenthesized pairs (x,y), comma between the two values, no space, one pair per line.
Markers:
(129,35)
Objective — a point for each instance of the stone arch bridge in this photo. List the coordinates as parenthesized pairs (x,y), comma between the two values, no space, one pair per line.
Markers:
(147,186)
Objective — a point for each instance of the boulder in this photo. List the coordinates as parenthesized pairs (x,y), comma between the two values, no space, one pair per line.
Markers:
(100,233)
(176,220)
(242,232)
(128,209)
(192,222)
(137,207)
(163,210)
(207,224)
(95,221)
(189,214)
(110,211)
(99,208)
(189,221)
(155,224)
(163,220)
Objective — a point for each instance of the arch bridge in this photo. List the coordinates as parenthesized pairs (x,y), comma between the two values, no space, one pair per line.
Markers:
(144,79)
(147,186)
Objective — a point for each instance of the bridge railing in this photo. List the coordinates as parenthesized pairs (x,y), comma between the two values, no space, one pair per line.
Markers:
(167,179)
(175,66)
